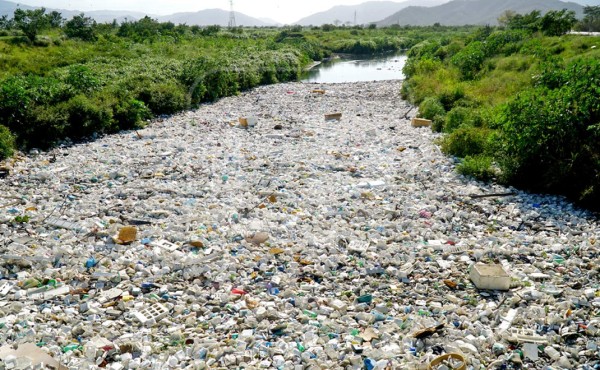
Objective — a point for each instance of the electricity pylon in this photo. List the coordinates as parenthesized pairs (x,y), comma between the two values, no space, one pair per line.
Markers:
(231,23)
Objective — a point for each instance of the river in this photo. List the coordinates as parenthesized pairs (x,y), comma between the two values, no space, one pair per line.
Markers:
(353,68)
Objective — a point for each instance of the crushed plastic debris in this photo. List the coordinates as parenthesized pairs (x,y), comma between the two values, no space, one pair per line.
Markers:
(290,243)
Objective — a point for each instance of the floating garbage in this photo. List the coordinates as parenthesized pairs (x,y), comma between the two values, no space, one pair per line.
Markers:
(192,243)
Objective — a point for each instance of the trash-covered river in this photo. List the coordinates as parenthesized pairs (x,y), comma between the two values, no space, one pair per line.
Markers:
(320,230)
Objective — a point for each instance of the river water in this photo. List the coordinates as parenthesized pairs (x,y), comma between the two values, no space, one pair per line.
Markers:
(355,68)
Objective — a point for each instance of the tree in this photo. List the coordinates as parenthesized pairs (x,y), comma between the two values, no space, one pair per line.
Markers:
(591,20)
(81,27)
(6,23)
(530,21)
(210,30)
(55,19)
(31,22)
(557,22)
(143,29)
(505,18)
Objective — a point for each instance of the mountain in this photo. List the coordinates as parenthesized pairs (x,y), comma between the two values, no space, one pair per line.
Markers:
(366,13)
(201,18)
(107,16)
(101,16)
(269,21)
(211,17)
(461,12)
(587,2)
(8,8)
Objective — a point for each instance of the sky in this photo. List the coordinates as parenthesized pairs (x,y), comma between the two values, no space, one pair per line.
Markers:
(283,11)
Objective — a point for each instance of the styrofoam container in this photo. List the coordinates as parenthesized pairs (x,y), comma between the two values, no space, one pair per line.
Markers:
(492,277)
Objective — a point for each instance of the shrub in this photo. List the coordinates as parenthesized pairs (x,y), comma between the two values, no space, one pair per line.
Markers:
(480,167)
(7,143)
(552,136)
(165,98)
(451,95)
(46,125)
(129,113)
(416,66)
(193,77)
(504,42)
(211,30)
(430,108)
(466,141)
(87,116)
(20,94)
(43,41)
(462,117)
(82,79)
(470,59)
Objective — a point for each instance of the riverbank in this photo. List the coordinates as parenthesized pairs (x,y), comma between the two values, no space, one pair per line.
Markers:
(297,241)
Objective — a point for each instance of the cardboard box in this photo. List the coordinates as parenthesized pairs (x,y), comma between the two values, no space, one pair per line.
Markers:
(333,116)
(420,122)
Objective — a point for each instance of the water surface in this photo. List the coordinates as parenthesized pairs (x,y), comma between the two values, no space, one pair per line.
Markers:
(358,68)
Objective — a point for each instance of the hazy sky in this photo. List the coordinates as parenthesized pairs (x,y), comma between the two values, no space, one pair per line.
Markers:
(284,11)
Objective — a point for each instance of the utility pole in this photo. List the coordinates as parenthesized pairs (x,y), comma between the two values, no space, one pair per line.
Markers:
(355,17)
(231,23)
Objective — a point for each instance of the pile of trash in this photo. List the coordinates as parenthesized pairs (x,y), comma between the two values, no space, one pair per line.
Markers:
(295,226)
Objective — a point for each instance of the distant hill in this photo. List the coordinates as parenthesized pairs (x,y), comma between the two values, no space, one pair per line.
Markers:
(211,17)
(461,12)
(8,8)
(201,18)
(101,16)
(587,2)
(366,13)
(107,16)
(269,21)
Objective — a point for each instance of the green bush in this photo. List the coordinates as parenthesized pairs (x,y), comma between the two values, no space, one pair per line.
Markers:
(165,98)
(462,117)
(466,141)
(504,42)
(478,166)
(129,113)
(7,143)
(424,49)
(46,125)
(451,96)
(82,79)
(548,149)
(20,95)
(87,116)
(470,59)
(211,30)
(430,108)
(81,27)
